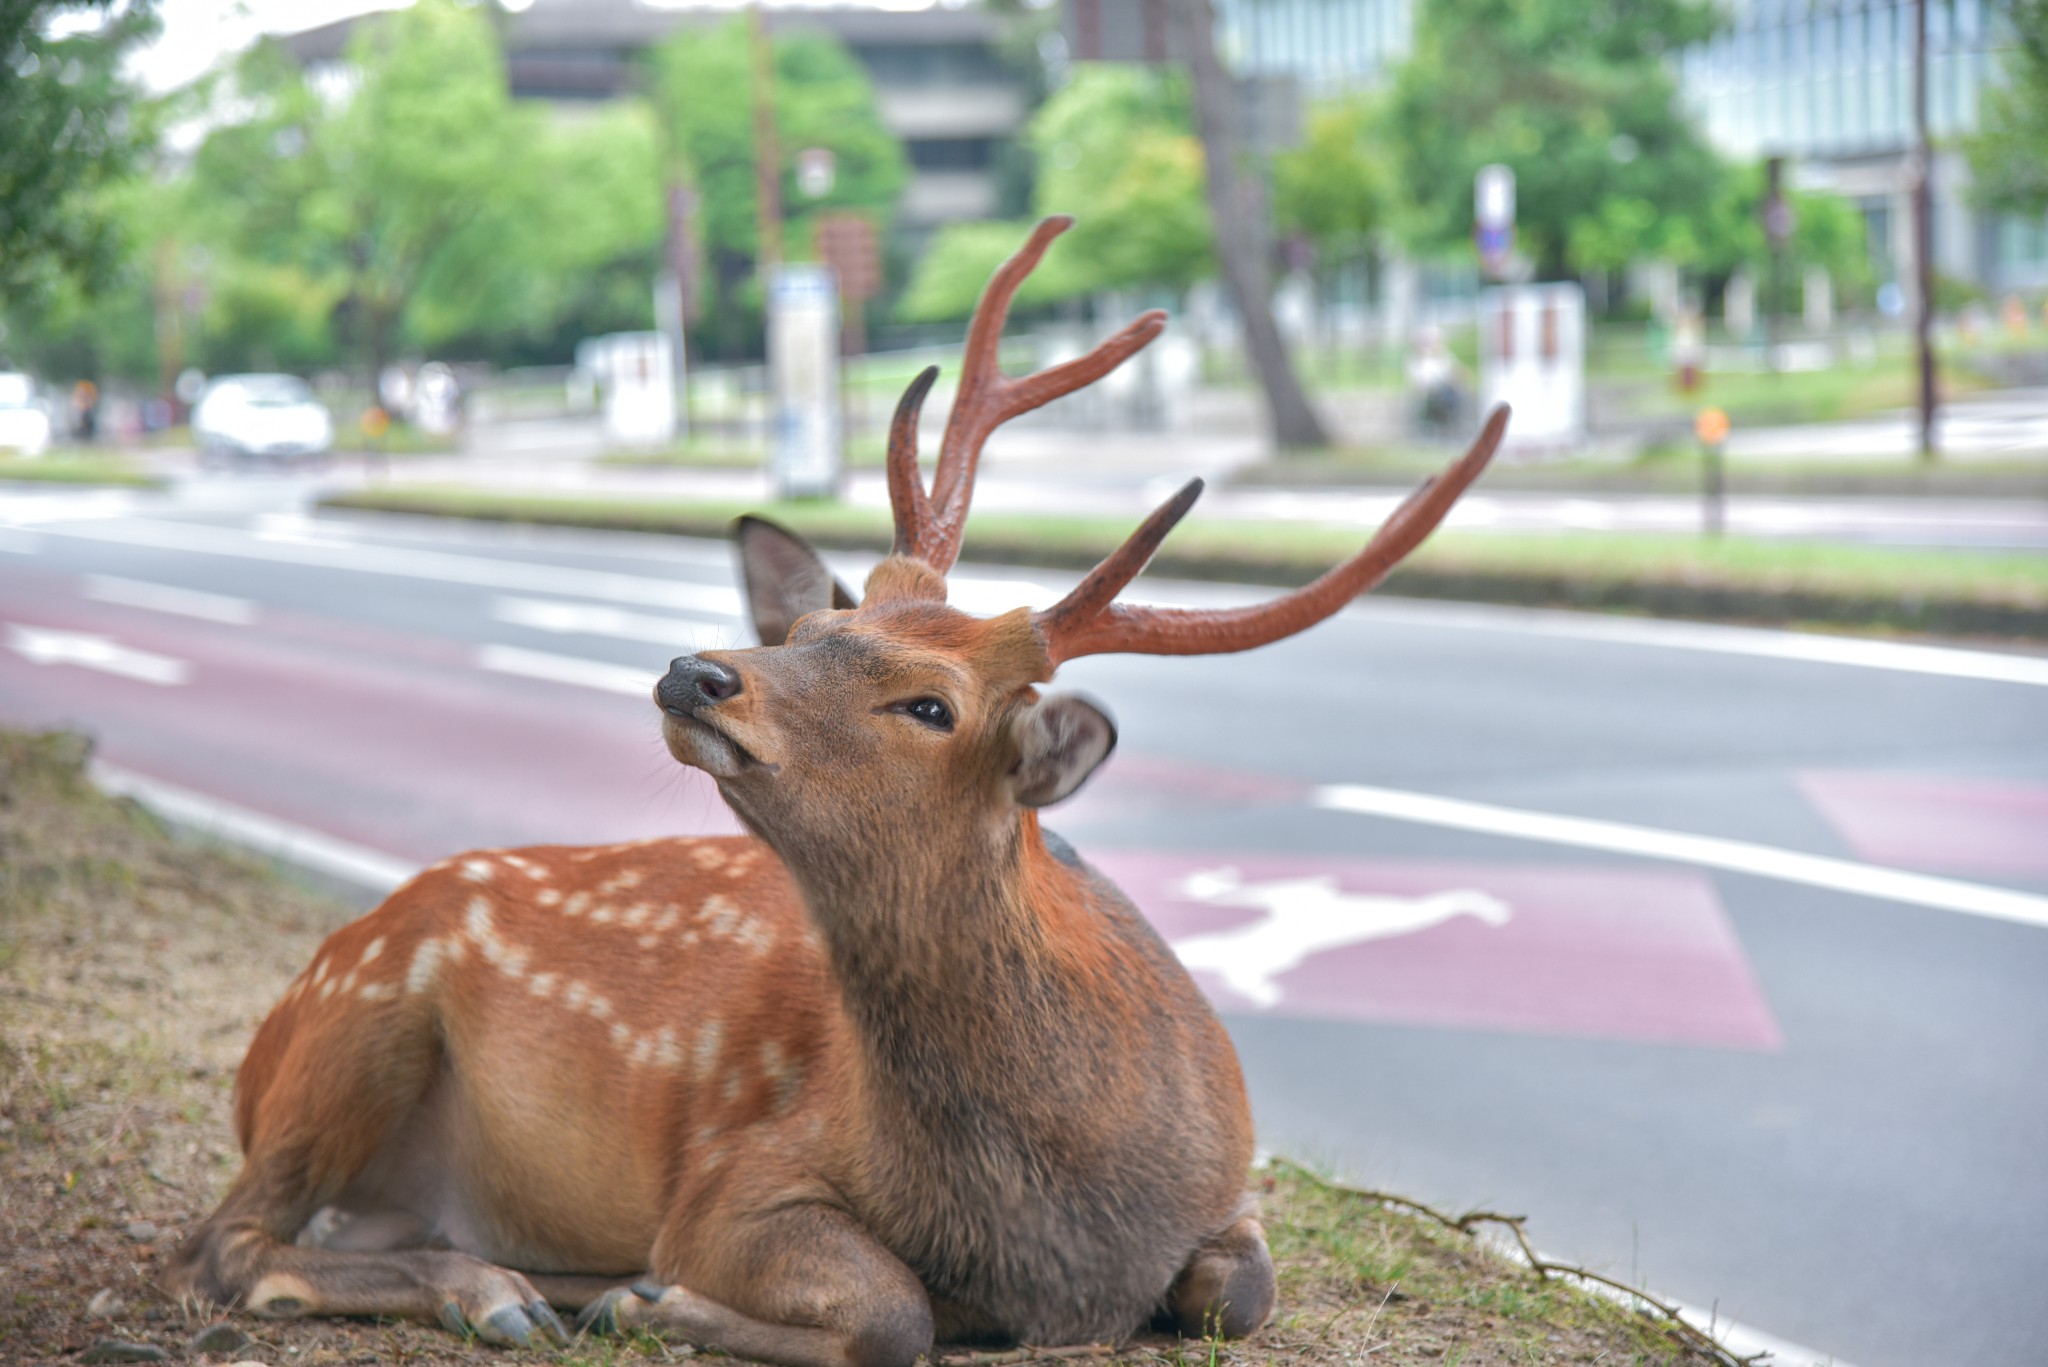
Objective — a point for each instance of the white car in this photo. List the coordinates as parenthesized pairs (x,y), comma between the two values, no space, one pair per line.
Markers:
(24,423)
(261,417)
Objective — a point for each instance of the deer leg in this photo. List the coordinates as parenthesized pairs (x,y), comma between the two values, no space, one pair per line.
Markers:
(324,1087)
(1227,1288)
(803,1286)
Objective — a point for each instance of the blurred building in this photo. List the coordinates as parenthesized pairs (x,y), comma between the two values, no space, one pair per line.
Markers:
(1825,83)
(940,83)
(1829,84)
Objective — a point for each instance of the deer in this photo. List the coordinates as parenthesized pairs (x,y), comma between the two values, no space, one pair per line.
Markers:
(895,1068)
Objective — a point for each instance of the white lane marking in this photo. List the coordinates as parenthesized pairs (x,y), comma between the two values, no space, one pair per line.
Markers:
(441,566)
(568,669)
(48,505)
(300,529)
(356,864)
(134,593)
(1735,856)
(1745,1342)
(1806,647)
(1305,916)
(43,646)
(596,619)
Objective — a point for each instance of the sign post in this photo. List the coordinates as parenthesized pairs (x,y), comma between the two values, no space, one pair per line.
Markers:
(805,459)
(1493,219)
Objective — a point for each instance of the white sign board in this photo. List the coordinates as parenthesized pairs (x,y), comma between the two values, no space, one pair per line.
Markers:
(803,368)
(1532,354)
(636,375)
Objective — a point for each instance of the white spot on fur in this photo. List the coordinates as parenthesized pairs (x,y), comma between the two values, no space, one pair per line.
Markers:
(427,961)
(665,1051)
(477,870)
(704,1058)
(377,992)
(734,1085)
(508,959)
(541,984)
(371,951)
(620,1034)
(621,881)
(548,897)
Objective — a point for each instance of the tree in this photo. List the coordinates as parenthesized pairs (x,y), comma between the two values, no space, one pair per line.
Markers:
(71,125)
(1115,148)
(822,99)
(1334,189)
(1579,101)
(2009,152)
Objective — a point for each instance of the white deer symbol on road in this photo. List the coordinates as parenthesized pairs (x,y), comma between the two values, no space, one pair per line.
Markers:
(1305,916)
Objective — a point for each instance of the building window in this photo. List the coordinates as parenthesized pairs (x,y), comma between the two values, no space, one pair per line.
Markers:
(951,154)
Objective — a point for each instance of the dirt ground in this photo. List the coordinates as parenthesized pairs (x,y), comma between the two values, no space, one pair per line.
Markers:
(134,968)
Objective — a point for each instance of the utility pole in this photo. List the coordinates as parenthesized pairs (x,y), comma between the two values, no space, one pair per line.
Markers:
(1923,233)
(767,152)
(1238,213)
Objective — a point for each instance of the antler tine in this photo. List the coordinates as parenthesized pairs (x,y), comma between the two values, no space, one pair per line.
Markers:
(987,398)
(1120,567)
(1170,631)
(906,484)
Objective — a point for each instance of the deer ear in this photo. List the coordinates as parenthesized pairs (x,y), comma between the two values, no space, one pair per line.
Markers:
(1061,739)
(784,578)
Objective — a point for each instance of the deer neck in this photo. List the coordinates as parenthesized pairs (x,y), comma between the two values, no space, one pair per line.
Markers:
(953,963)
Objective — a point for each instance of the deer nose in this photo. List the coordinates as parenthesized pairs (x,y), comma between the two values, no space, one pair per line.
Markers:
(693,682)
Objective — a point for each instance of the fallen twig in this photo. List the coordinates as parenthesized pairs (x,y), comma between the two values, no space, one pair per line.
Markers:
(1688,1335)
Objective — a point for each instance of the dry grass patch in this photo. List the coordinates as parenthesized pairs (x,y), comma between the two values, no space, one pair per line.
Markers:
(134,968)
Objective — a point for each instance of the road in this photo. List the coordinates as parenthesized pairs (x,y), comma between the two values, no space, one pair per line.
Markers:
(1717,952)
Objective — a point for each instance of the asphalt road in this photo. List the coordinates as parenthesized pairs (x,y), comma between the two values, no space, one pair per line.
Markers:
(1624,926)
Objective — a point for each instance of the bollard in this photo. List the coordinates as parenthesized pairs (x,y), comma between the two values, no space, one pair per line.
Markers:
(1711,427)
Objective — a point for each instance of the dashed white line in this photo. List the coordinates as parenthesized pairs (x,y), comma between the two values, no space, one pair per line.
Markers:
(134,593)
(45,646)
(598,619)
(568,669)
(442,566)
(1735,856)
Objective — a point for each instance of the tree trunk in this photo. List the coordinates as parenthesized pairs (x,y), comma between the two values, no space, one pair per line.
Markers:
(1237,210)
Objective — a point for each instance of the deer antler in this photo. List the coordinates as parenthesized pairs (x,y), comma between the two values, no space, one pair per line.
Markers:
(1088,621)
(929,528)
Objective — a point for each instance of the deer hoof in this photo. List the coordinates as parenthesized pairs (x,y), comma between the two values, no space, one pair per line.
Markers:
(452,1319)
(507,1326)
(547,1321)
(650,1291)
(601,1316)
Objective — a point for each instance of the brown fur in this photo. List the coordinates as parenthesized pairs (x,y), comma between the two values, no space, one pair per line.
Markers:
(895,1068)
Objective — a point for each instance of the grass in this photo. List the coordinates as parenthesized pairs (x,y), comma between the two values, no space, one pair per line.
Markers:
(134,968)
(1728,577)
(712,453)
(75,467)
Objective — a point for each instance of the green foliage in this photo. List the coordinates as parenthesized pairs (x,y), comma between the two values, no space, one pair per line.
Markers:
(425,209)
(1827,232)
(1579,101)
(1115,148)
(702,88)
(2009,152)
(1334,188)
(71,125)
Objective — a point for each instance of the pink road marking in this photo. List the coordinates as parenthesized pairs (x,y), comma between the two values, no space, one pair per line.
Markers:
(393,741)
(1928,822)
(1584,951)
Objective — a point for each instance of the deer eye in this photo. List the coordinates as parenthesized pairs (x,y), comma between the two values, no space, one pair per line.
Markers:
(932,713)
